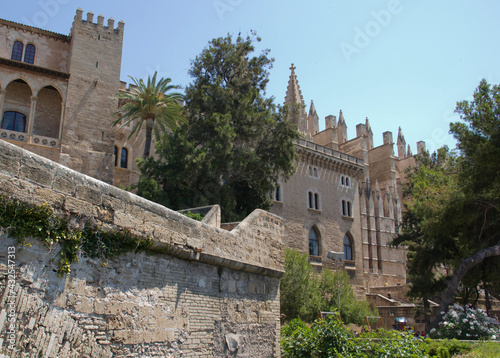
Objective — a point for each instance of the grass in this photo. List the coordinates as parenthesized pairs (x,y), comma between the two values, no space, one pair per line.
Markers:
(483,350)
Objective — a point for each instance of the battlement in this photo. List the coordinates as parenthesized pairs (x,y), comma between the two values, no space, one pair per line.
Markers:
(100,21)
(126,87)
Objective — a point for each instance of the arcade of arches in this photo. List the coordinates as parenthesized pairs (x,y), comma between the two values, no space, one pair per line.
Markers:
(31,117)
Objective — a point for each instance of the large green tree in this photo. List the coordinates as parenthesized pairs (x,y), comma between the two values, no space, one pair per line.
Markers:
(234,147)
(452,222)
(151,104)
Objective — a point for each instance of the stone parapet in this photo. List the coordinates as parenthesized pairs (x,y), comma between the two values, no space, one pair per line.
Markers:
(206,292)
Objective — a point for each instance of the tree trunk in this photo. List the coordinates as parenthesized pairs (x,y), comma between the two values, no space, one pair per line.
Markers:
(448,293)
(427,314)
(149,133)
(488,302)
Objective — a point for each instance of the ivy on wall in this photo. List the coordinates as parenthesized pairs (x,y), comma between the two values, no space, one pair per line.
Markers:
(21,220)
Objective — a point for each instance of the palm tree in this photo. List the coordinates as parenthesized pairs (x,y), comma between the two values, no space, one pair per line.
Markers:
(150,103)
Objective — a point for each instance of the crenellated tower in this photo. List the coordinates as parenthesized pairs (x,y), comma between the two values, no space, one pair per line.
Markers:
(94,63)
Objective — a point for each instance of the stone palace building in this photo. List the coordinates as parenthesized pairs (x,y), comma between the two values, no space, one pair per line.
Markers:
(57,98)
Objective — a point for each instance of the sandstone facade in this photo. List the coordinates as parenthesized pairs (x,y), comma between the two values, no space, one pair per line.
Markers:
(358,191)
(346,193)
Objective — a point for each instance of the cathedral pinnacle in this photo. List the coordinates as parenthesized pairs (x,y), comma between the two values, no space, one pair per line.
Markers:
(295,103)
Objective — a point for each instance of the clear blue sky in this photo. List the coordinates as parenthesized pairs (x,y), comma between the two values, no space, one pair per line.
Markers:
(400,63)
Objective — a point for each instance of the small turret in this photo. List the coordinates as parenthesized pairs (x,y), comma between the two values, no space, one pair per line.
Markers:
(342,129)
(387,137)
(313,120)
(401,143)
(369,133)
(330,121)
(420,147)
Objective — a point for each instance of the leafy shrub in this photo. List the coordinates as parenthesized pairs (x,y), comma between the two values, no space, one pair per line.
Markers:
(303,293)
(195,216)
(296,339)
(465,323)
(391,343)
(451,347)
(330,338)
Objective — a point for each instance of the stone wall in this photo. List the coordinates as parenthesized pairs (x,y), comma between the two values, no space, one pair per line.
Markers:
(201,291)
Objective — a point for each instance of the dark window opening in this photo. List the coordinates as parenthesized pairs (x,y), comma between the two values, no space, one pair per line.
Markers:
(347,248)
(311,200)
(123,158)
(316,201)
(14,121)
(277,195)
(17,51)
(29,54)
(116,156)
(313,242)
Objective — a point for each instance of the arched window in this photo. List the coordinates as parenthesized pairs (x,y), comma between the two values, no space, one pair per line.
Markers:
(124,158)
(277,193)
(116,155)
(311,200)
(29,54)
(349,209)
(347,248)
(316,201)
(313,242)
(14,121)
(17,51)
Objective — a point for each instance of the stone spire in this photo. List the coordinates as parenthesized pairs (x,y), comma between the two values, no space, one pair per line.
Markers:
(409,153)
(295,103)
(401,143)
(369,134)
(342,129)
(313,120)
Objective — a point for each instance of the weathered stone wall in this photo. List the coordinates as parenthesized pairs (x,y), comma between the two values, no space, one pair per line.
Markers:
(215,293)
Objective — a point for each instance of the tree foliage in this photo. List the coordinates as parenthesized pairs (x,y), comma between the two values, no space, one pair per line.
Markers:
(304,292)
(151,104)
(234,147)
(452,222)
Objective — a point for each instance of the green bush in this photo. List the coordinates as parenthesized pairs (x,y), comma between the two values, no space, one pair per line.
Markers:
(437,348)
(304,293)
(330,338)
(326,338)
(390,343)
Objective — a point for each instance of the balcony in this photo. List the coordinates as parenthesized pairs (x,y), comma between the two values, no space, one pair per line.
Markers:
(349,263)
(30,139)
(316,260)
